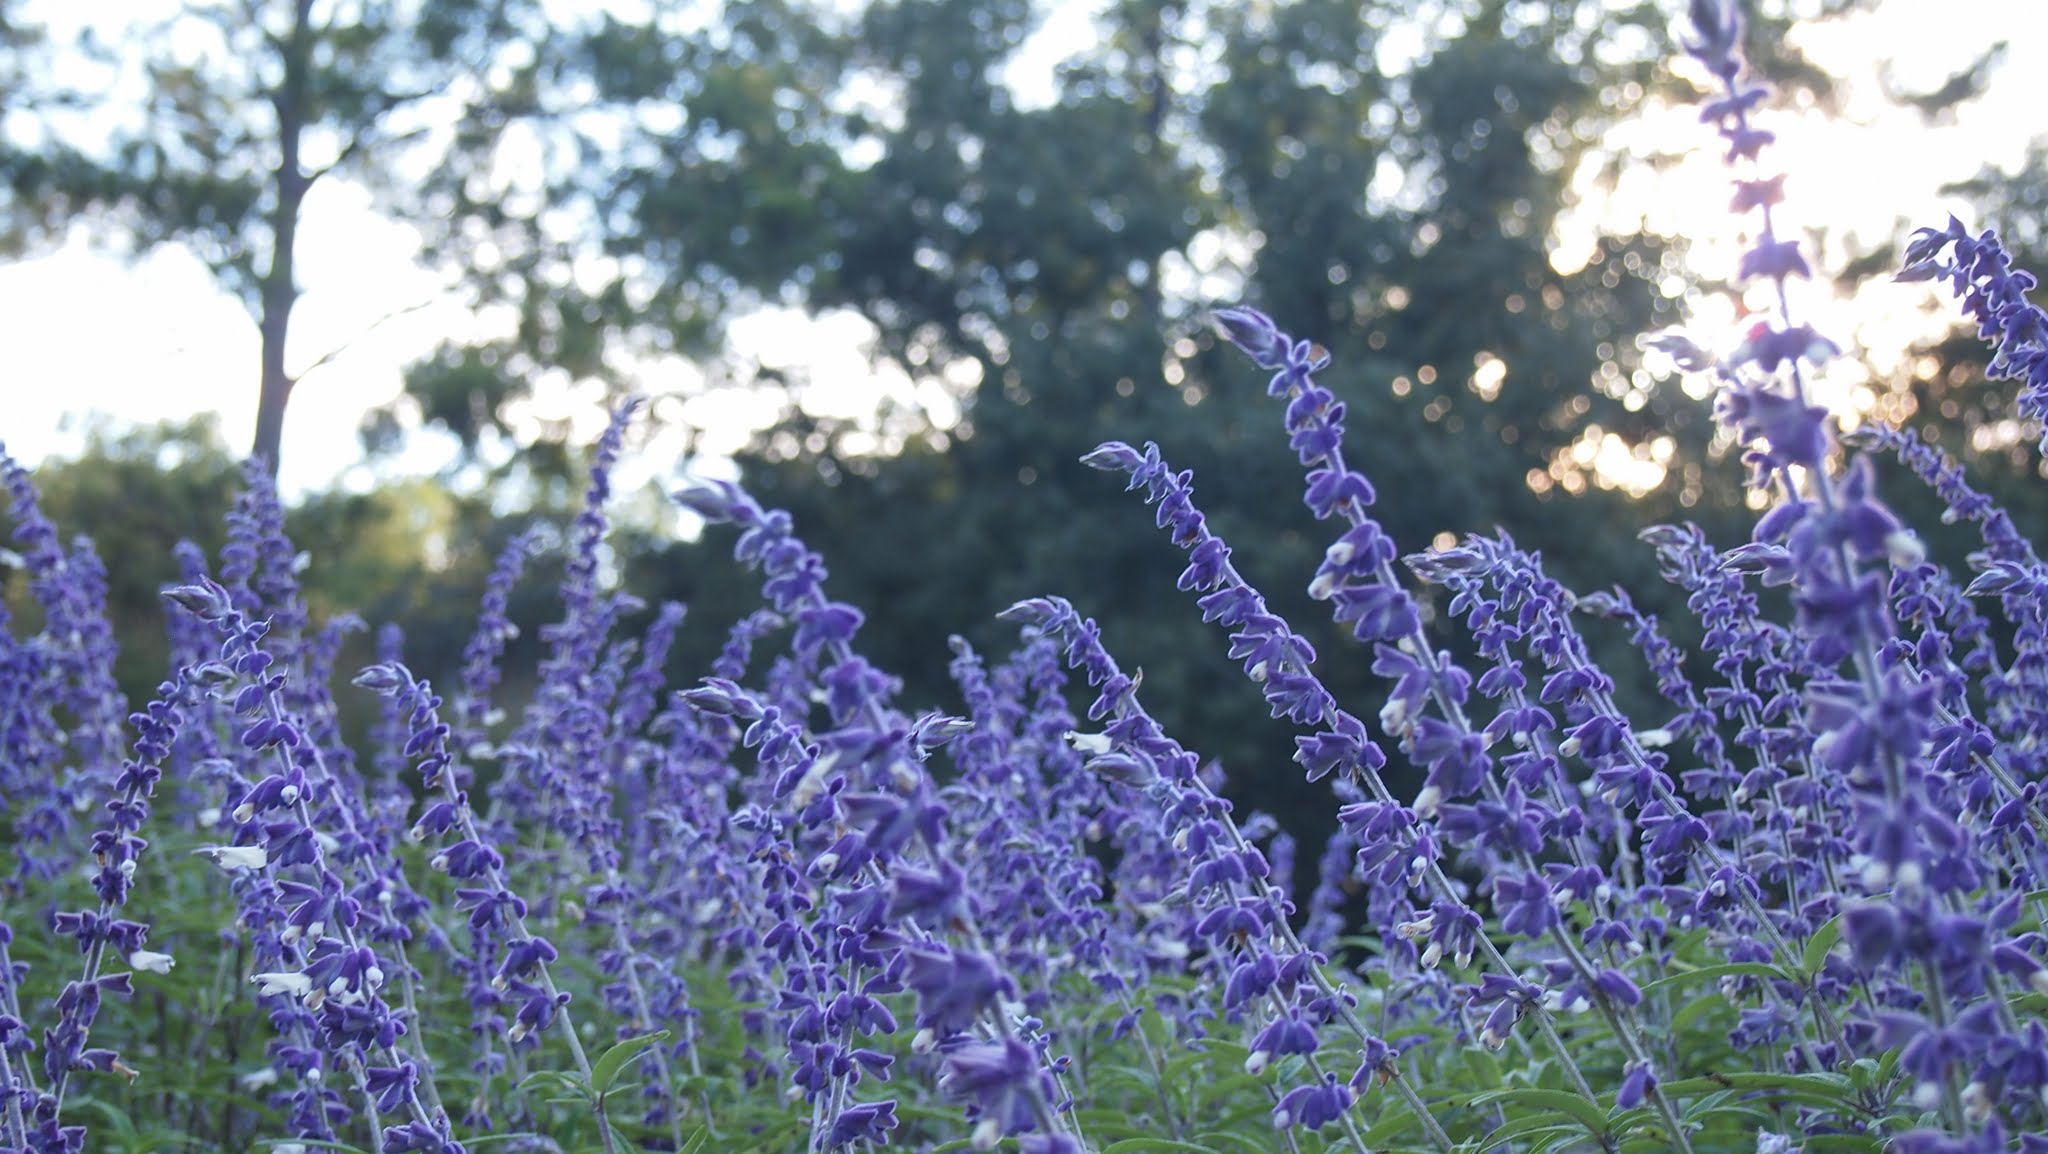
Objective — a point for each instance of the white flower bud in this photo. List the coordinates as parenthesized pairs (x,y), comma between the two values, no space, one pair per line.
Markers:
(152,962)
(1904,549)
(232,858)
(1089,743)
(282,982)
(1653,738)
(1976,1104)
(902,774)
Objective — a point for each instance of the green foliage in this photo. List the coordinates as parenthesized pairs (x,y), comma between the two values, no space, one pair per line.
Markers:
(199,1035)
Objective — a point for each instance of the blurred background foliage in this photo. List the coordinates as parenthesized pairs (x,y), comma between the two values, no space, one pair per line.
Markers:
(622,187)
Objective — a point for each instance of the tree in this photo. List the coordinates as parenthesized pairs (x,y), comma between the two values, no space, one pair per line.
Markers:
(1047,263)
(247,105)
(1050,265)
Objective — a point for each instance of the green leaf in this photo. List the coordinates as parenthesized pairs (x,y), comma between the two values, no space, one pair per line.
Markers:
(1534,1126)
(554,1081)
(482,1140)
(1522,1128)
(1395,1119)
(1715,973)
(1815,956)
(1588,1114)
(605,1070)
(1485,1068)
(1219,1139)
(1156,1146)
(1831,1091)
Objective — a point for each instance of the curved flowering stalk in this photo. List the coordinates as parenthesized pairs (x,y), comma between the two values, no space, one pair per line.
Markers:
(629,752)
(1002,1075)
(67,669)
(824,1009)
(1449,746)
(536,791)
(1873,722)
(874,781)
(705,899)
(2016,698)
(1244,913)
(387,732)
(468,857)
(564,753)
(329,928)
(469,729)
(117,848)
(1016,798)
(1726,894)
(1979,270)
(1023,799)
(296,691)
(17,1082)
(485,649)
(32,792)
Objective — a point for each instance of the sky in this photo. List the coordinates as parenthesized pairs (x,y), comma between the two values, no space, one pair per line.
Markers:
(95,338)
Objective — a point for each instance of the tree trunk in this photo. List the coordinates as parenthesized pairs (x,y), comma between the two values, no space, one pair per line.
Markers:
(280,290)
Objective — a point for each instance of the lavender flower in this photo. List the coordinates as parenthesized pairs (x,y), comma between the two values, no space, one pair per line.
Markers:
(1998,297)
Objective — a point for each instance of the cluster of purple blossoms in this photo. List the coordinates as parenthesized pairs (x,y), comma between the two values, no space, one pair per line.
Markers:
(1840,834)
(852,834)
